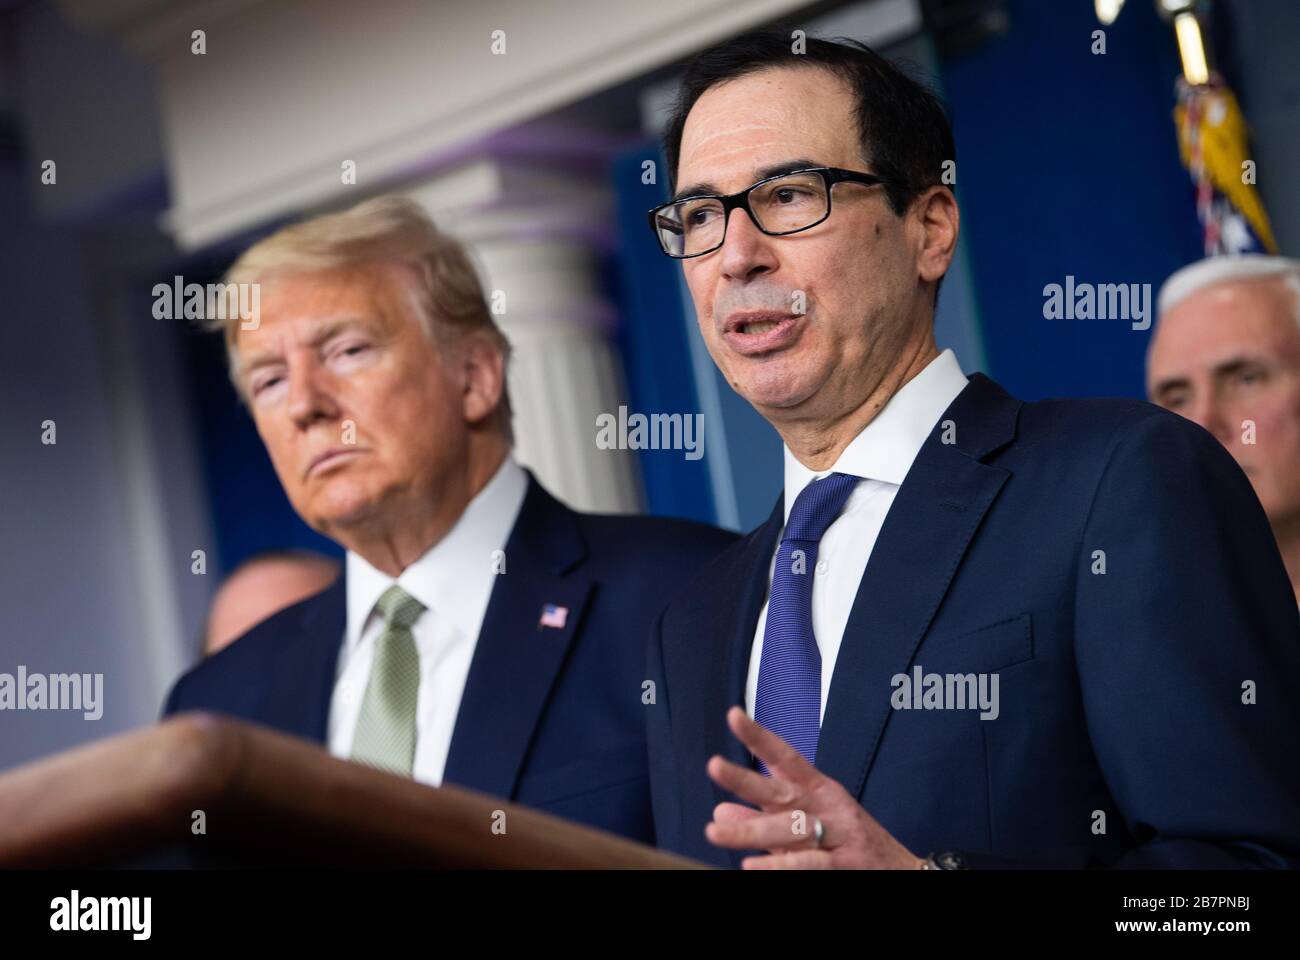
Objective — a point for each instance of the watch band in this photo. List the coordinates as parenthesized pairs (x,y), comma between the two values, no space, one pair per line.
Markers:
(948,860)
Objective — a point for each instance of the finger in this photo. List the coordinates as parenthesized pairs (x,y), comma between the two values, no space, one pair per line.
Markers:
(768,793)
(797,860)
(733,813)
(783,760)
(781,831)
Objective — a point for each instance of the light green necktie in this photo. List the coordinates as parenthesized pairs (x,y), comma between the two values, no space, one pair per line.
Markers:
(385,736)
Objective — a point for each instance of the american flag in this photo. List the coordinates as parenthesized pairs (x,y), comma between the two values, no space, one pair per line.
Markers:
(553,616)
(1212,138)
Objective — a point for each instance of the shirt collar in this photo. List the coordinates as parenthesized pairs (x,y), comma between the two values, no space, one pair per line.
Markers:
(886,447)
(454,577)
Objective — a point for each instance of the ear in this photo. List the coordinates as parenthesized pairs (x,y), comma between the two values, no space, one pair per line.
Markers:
(939,220)
(483,369)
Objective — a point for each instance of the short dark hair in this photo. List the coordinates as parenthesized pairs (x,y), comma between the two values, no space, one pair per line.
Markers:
(902,124)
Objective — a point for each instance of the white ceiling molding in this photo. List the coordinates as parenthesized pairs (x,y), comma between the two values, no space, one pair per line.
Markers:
(257,128)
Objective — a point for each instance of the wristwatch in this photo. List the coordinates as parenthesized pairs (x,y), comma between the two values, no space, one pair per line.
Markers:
(948,860)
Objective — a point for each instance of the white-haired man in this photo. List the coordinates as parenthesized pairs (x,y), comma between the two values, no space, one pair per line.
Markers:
(1226,354)
(482,633)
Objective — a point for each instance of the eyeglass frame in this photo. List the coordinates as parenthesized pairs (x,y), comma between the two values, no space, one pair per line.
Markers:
(830,176)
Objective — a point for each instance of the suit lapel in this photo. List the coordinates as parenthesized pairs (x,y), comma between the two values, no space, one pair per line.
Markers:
(516,661)
(750,594)
(706,664)
(306,664)
(927,531)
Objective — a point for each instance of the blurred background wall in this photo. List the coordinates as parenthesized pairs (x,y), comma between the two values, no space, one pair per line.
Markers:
(532,144)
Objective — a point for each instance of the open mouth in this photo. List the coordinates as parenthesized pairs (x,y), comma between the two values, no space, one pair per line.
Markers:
(756,333)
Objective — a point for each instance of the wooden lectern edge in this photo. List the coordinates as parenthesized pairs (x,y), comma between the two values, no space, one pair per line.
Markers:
(87,805)
(101,802)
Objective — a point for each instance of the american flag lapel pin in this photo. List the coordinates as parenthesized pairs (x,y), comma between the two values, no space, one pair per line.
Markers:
(553,616)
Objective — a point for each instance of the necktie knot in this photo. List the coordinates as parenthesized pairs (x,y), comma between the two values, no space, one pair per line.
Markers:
(817,506)
(398,608)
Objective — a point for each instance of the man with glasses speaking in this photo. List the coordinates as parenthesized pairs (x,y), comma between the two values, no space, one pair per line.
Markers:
(974,631)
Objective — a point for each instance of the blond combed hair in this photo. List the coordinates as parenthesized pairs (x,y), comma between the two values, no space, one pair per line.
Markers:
(386,229)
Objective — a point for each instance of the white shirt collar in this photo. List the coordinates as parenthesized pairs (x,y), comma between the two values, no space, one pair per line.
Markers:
(454,577)
(886,447)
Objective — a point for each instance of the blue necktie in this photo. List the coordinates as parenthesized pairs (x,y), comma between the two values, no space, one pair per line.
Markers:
(790,671)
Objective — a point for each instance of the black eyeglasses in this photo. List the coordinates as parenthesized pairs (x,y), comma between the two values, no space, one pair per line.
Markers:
(780,205)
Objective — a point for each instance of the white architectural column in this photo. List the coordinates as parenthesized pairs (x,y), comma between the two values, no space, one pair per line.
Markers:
(530,232)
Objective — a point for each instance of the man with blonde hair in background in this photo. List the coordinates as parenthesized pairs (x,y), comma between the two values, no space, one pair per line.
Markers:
(1226,354)
(482,633)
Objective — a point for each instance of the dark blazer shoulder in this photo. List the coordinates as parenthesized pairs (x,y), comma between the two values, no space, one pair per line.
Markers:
(251,654)
(653,537)
(1101,435)
(1094,421)
(631,537)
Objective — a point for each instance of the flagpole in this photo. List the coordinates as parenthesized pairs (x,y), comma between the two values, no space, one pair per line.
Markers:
(1184,15)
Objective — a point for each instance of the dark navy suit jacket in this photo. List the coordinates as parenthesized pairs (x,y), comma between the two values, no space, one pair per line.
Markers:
(551,718)
(1121,693)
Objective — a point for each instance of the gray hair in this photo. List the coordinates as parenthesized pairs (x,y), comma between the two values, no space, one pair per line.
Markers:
(1224,269)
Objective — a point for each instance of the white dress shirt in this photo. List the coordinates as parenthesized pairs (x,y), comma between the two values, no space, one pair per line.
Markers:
(881,455)
(454,580)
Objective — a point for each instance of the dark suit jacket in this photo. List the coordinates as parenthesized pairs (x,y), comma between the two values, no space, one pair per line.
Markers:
(1120,692)
(551,718)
